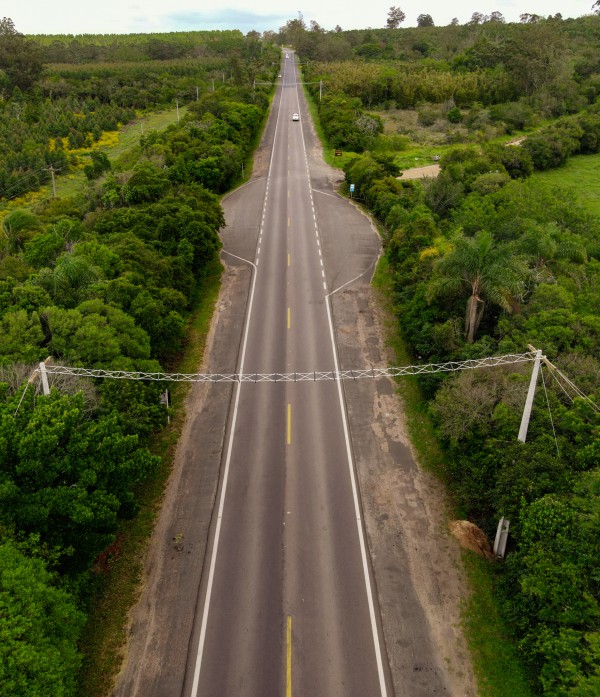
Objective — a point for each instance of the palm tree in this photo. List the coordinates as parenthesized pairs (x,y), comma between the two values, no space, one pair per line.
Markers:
(73,273)
(486,272)
(17,228)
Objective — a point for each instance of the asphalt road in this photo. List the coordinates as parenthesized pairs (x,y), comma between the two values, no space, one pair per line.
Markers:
(286,603)
(289,610)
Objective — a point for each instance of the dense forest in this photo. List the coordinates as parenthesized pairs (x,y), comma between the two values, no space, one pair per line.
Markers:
(485,259)
(104,278)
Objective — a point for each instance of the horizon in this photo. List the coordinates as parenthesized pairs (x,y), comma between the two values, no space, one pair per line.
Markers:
(70,18)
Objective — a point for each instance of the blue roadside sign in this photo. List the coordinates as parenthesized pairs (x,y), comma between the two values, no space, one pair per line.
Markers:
(351,188)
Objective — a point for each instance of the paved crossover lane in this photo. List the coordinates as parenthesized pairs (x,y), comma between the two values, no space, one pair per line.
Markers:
(284,607)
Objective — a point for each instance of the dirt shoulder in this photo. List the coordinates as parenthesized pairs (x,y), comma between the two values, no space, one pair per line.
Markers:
(427,172)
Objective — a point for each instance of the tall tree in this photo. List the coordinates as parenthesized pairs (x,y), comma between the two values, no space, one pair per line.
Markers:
(488,273)
(293,31)
(20,59)
(477,18)
(395,17)
(528,18)
(425,21)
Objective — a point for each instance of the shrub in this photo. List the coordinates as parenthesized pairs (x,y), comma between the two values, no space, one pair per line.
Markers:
(454,115)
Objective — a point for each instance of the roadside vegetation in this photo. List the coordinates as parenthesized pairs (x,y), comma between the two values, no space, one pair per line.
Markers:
(119,270)
(499,251)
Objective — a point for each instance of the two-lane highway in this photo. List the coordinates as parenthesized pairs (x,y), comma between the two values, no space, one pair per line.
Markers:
(286,604)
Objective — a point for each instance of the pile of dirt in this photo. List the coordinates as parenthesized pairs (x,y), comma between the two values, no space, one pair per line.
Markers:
(471,537)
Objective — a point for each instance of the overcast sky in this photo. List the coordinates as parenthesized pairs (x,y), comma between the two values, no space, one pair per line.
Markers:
(126,16)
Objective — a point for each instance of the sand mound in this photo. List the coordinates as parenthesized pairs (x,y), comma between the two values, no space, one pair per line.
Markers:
(471,537)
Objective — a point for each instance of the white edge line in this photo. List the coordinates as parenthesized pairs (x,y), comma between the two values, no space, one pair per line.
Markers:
(213,558)
(361,537)
(215,548)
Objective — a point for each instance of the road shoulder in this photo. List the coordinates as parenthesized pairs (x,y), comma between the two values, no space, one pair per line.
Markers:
(416,563)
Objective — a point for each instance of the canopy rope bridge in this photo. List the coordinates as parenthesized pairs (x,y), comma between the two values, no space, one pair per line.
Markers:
(315,376)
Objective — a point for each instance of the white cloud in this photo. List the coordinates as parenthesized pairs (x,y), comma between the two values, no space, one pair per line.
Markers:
(113,16)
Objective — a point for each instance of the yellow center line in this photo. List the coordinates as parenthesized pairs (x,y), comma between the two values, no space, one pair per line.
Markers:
(289,222)
(289,259)
(289,424)
(288,672)
(289,317)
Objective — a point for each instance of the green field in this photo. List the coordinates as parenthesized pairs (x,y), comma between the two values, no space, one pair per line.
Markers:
(128,137)
(581,175)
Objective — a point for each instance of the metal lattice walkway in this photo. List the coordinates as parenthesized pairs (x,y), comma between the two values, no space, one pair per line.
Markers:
(315,376)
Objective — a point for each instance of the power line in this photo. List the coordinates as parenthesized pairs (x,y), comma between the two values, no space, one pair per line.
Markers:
(550,412)
(554,371)
(314,376)
(17,182)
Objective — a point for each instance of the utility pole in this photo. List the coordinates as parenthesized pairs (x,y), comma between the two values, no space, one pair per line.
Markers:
(530,395)
(213,84)
(177,107)
(51,168)
(320,89)
(197,97)
(223,76)
(44,376)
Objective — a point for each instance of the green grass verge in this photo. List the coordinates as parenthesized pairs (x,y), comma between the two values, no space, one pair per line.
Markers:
(495,660)
(129,135)
(581,176)
(117,587)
